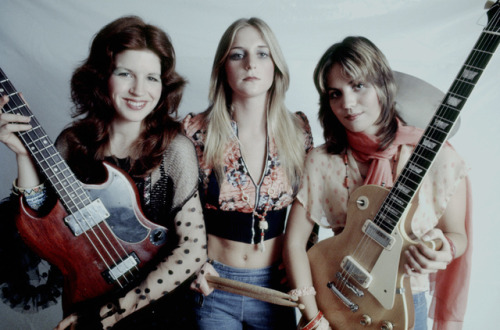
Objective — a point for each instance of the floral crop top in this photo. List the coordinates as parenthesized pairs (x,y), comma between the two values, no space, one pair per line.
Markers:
(229,205)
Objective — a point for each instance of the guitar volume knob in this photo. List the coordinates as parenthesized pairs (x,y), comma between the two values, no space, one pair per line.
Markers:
(386,325)
(365,320)
(158,237)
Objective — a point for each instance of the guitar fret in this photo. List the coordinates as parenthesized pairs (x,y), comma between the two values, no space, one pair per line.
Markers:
(410,179)
(69,190)
(447,112)
(461,89)
(439,128)
(458,91)
(16,108)
(463,81)
(385,220)
(438,125)
(423,161)
(473,67)
(482,51)
(436,134)
(403,189)
(397,200)
(454,100)
(496,33)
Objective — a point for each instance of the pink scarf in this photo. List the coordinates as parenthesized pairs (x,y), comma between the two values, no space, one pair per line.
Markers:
(450,287)
(366,147)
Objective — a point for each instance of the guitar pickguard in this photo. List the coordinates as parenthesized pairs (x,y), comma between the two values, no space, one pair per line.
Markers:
(116,194)
(385,272)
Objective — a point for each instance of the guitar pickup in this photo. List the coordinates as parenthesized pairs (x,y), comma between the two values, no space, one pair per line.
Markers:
(355,271)
(87,217)
(123,267)
(378,234)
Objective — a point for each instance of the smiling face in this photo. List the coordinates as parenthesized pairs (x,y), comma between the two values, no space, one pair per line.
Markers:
(135,84)
(354,103)
(249,66)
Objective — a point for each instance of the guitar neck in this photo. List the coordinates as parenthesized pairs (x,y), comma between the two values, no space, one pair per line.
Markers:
(46,157)
(438,129)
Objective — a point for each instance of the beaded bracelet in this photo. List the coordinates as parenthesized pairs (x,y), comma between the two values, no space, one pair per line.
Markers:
(26,191)
(452,248)
(314,322)
(305,291)
(35,197)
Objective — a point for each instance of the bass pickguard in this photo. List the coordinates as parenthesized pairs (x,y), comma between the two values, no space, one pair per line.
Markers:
(104,258)
(117,196)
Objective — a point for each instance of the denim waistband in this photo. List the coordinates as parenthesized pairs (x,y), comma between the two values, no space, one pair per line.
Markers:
(236,271)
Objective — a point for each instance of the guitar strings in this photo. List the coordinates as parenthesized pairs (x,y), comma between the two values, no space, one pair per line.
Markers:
(487,40)
(71,209)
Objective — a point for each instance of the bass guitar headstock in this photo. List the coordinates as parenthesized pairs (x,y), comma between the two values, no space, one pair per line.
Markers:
(493,16)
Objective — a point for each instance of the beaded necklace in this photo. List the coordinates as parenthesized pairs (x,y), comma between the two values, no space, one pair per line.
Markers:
(263,224)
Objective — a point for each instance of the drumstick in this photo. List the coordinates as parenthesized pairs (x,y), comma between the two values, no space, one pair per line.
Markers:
(253,291)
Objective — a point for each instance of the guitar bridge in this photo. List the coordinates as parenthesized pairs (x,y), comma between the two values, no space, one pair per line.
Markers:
(123,267)
(349,285)
(352,306)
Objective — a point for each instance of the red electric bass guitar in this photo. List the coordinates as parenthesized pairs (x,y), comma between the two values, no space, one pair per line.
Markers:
(96,235)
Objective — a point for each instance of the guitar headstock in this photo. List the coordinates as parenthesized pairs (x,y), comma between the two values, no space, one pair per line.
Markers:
(493,16)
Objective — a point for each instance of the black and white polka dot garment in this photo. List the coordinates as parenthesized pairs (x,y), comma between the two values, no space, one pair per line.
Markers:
(175,203)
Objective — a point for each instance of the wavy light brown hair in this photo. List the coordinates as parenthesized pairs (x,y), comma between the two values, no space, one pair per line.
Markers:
(89,135)
(360,60)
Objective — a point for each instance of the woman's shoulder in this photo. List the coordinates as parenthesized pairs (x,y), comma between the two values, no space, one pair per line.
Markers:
(303,123)
(302,120)
(320,154)
(193,123)
(180,147)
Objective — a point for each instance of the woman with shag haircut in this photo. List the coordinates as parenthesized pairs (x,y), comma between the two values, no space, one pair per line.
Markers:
(251,151)
(361,60)
(126,95)
(366,143)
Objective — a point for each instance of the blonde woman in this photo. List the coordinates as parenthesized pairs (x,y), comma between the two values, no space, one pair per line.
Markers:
(251,151)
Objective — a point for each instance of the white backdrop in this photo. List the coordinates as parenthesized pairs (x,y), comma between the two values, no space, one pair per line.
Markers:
(41,42)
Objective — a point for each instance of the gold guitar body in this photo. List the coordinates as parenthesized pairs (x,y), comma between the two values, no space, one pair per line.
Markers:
(386,301)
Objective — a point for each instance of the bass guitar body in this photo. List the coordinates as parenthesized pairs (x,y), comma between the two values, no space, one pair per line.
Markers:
(98,249)
(358,274)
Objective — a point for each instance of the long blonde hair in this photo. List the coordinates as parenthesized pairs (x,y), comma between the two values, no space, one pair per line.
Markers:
(283,126)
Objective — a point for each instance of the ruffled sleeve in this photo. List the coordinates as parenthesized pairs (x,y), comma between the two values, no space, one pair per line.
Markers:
(322,193)
(306,128)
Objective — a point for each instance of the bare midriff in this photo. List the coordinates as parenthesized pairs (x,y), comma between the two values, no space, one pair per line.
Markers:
(244,255)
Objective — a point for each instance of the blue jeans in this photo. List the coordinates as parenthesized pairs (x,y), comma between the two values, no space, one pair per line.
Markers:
(222,310)
(420,306)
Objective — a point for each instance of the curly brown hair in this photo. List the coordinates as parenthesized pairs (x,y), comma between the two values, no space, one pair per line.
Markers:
(88,136)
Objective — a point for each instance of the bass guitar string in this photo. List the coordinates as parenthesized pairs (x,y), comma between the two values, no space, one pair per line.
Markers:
(72,209)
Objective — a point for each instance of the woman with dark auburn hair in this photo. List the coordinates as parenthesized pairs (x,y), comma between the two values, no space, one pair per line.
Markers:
(366,143)
(126,95)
